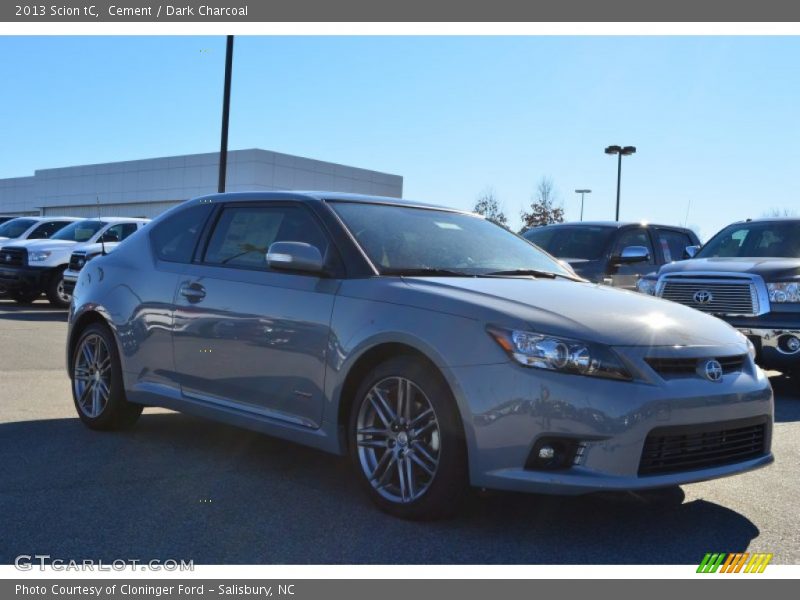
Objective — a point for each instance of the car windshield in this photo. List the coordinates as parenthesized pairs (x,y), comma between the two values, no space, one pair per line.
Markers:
(15,227)
(757,239)
(79,231)
(400,239)
(582,243)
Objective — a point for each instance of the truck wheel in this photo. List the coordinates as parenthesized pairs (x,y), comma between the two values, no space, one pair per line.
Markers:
(407,442)
(56,293)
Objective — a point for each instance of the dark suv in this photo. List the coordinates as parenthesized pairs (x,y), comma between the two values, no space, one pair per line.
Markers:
(749,275)
(613,253)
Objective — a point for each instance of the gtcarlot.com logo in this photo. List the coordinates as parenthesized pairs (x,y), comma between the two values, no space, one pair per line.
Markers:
(737,562)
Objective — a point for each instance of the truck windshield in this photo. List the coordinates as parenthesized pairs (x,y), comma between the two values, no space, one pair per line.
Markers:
(79,231)
(756,239)
(419,241)
(583,242)
(15,227)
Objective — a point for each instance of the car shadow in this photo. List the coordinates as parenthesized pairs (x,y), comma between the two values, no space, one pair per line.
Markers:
(787,398)
(184,488)
(41,311)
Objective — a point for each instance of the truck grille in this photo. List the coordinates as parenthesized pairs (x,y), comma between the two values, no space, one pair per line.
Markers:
(688,448)
(77,260)
(687,367)
(723,297)
(13,257)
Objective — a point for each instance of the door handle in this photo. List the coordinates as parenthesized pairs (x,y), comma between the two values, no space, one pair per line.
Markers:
(193,292)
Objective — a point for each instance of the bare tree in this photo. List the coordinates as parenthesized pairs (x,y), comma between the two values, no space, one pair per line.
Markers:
(488,206)
(780,212)
(545,208)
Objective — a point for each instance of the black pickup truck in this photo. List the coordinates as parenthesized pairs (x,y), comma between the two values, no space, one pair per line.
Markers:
(749,275)
(611,252)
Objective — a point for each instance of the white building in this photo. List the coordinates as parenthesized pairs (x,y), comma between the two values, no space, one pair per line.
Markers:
(144,188)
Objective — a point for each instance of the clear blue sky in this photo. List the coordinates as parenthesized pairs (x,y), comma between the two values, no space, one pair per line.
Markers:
(716,120)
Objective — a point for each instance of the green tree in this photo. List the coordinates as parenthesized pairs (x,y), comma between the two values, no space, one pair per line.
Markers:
(545,208)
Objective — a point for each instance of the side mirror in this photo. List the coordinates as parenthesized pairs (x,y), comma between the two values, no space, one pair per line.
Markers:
(691,251)
(295,256)
(634,254)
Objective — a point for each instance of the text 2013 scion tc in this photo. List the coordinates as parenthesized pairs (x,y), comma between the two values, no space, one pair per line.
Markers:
(435,348)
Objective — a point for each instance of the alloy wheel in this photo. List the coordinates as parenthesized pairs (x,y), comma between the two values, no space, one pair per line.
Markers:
(398,439)
(62,293)
(92,376)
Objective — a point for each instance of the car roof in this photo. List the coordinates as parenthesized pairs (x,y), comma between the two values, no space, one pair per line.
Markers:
(321,196)
(610,225)
(768,220)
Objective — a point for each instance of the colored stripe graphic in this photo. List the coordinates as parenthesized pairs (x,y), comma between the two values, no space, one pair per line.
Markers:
(736,562)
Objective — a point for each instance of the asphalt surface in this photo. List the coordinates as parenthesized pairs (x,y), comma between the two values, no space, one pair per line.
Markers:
(177,487)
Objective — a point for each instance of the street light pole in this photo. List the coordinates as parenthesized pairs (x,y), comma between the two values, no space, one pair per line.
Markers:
(226,110)
(620,151)
(582,192)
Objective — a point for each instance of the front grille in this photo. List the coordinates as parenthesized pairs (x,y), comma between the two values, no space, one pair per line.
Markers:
(689,448)
(722,297)
(77,260)
(687,367)
(13,257)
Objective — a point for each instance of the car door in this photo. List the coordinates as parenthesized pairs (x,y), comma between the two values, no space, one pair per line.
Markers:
(673,243)
(248,337)
(626,274)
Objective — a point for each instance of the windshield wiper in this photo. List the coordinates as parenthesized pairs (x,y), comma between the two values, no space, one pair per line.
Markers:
(523,272)
(425,272)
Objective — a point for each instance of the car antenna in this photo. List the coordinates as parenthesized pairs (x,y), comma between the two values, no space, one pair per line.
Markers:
(102,241)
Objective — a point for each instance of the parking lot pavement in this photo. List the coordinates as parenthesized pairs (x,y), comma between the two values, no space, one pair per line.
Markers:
(183,488)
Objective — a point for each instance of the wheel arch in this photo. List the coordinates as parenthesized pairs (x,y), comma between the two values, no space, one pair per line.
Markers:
(364,363)
(79,325)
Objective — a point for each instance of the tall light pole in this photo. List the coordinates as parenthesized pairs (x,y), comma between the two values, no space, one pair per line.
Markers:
(582,192)
(226,111)
(620,151)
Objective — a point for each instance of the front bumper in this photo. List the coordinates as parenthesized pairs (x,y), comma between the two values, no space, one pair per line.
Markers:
(24,279)
(506,408)
(70,280)
(768,334)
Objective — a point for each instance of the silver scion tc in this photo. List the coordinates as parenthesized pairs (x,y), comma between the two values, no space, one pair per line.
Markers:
(435,348)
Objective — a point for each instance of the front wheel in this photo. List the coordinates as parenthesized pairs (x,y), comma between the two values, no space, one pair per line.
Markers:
(407,441)
(56,293)
(97,388)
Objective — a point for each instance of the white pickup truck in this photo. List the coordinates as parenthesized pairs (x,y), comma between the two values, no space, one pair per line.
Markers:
(29,268)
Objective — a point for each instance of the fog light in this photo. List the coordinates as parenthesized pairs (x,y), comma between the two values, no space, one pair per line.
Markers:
(789,344)
(551,453)
(547,452)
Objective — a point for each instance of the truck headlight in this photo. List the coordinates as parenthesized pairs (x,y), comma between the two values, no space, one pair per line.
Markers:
(647,285)
(39,256)
(565,355)
(780,292)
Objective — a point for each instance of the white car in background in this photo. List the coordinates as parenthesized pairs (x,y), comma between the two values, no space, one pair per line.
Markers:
(32,228)
(31,267)
(86,252)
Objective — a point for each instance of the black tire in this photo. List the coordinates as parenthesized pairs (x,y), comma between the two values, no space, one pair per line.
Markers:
(117,413)
(55,290)
(23,298)
(444,490)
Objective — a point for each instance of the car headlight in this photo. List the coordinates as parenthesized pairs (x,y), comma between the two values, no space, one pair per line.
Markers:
(780,292)
(647,285)
(565,355)
(39,256)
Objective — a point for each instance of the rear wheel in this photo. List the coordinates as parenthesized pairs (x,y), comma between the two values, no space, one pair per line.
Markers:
(97,388)
(56,293)
(407,442)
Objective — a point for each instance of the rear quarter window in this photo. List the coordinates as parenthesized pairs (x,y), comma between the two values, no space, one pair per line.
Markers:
(174,239)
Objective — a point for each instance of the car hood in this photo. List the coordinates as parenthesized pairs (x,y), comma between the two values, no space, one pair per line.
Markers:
(768,268)
(585,311)
(43,244)
(588,269)
(95,248)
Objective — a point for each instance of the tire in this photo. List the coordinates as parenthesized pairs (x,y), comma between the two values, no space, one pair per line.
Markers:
(100,398)
(55,291)
(425,444)
(24,298)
